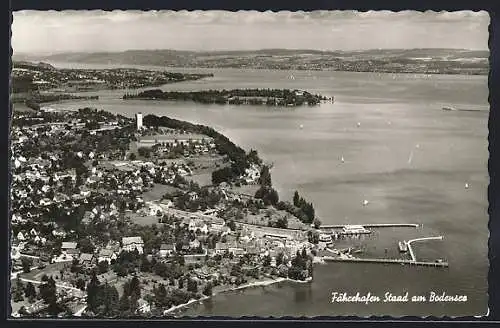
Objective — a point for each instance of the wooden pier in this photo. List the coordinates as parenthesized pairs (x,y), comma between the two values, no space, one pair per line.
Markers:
(387,261)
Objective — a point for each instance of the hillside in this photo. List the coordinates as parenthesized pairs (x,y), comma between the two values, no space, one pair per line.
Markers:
(444,61)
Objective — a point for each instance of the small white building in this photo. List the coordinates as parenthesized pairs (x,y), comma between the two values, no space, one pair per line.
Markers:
(138,121)
(130,244)
(143,306)
(194,244)
(166,250)
(197,224)
(221,248)
(20,236)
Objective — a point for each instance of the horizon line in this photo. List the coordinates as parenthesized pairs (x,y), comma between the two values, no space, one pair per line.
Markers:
(230,50)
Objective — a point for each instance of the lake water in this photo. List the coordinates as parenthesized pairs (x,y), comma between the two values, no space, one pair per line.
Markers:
(407,157)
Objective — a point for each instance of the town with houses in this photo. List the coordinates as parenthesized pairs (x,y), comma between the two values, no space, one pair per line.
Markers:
(111,217)
(46,77)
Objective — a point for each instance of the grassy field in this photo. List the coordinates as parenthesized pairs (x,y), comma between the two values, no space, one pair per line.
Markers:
(202,179)
(157,192)
(247,190)
(144,220)
(50,270)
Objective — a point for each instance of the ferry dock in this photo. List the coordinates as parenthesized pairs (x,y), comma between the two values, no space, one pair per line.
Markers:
(372,225)
(386,261)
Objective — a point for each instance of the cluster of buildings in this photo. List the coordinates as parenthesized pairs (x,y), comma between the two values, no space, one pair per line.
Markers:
(252,174)
(44,183)
(50,188)
(191,144)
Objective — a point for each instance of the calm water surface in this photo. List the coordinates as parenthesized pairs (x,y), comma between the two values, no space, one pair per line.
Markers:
(406,156)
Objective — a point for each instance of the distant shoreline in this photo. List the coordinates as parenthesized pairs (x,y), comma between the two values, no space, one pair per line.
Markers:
(411,61)
(89,65)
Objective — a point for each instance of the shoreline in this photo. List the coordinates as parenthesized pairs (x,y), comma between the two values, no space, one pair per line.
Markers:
(174,68)
(259,283)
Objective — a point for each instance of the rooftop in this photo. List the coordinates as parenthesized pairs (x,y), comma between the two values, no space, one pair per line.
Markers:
(131,240)
(68,245)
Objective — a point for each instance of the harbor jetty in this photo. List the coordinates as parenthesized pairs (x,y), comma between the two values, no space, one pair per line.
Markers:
(402,245)
(410,249)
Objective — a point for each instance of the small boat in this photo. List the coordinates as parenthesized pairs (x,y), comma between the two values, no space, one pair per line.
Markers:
(301,126)
(403,247)
(358,125)
(342,159)
(448,108)
(365,202)
(466,186)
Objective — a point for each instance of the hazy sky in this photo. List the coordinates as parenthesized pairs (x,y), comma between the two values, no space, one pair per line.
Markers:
(53,31)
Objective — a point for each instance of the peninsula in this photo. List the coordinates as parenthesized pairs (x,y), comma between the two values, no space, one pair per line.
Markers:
(269,97)
(37,83)
(28,76)
(110,218)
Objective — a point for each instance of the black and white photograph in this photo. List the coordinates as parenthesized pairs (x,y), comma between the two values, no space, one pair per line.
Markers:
(177,164)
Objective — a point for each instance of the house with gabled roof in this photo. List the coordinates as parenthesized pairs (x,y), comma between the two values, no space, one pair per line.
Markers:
(166,250)
(130,244)
(106,254)
(87,259)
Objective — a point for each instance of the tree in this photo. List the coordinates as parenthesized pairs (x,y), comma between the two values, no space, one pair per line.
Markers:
(268,195)
(17,291)
(92,125)
(48,293)
(236,270)
(313,237)
(296,198)
(103,267)
(120,269)
(110,299)
(26,264)
(80,284)
(280,259)
(30,292)
(160,296)
(134,302)
(135,287)
(208,289)
(132,157)
(231,225)
(266,261)
(75,266)
(22,311)
(145,264)
(265,177)
(93,291)
(192,286)
(144,152)
(86,246)
(124,304)
(309,211)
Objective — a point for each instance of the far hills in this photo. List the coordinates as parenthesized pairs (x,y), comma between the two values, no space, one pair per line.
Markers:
(431,61)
